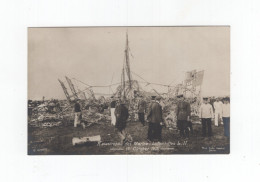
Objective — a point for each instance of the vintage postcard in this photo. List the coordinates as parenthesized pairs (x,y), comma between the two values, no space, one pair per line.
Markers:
(129,90)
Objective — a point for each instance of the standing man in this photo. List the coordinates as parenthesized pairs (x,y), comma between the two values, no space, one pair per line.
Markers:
(183,113)
(155,119)
(206,115)
(112,111)
(77,111)
(226,116)
(121,113)
(218,111)
(141,110)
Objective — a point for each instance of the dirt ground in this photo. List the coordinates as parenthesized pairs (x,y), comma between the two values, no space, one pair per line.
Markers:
(58,141)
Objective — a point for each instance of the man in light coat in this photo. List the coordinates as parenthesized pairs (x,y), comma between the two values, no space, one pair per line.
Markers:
(218,111)
(206,115)
(112,111)
(226,116)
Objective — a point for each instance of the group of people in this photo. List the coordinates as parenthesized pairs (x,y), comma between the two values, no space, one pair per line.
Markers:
(154,117)
(206,115)
(220,114)
(120,114)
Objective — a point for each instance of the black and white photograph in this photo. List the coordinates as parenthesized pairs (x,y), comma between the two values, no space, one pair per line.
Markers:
(129,90)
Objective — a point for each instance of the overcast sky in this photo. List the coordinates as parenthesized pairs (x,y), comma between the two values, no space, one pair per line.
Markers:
(95,56)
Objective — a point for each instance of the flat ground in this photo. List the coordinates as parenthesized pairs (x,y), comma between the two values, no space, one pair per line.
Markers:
(58,141)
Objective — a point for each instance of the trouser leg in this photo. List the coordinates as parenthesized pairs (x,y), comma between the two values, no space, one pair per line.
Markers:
(122,135)
(209,127)
(141,118)
(191,128)
(226,126)
(113,117)
(157,131)
(203,127)
(76,119)
(186,129)
(216,118)
(150,131)
(181,128)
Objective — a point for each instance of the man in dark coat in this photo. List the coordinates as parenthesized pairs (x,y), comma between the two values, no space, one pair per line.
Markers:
(155,119)
(141,110)
(183,112)
(121,113)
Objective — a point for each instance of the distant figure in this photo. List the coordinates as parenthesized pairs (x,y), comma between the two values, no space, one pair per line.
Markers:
(121,113)
(155,119)
(206,115)
(141,110)
(183,113)
(77,110)
(112,110)
(218,111)
(226,116)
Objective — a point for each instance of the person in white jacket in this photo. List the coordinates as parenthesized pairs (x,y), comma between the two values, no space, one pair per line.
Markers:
(112,111)
(218,111)
(206,115)
(226,116)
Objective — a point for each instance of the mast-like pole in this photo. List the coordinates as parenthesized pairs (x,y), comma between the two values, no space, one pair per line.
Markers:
(65,90)
(127,62)
(72,88)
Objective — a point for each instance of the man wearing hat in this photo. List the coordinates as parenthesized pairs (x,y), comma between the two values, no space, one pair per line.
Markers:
(183,112)
(155,119)
(141,110)
(112,110)
(206,115)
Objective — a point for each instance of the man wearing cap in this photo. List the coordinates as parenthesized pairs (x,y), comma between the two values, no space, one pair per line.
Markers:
(155,119)
(226,116)
(112,111)
(183,112)
(206,115)
(141,110)
(121,113)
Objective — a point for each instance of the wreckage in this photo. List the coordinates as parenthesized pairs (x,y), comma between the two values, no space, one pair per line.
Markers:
(56,113)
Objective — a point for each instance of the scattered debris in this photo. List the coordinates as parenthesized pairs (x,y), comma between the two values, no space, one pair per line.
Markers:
(86,140)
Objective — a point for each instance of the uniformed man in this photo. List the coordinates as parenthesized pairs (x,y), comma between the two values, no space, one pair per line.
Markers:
(155,119)
(121,113)
(183,113)
(141,110)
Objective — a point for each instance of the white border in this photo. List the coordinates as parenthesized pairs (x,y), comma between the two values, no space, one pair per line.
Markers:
(242,164)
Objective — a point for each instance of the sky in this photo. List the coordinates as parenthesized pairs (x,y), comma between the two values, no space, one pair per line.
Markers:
(94,55)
